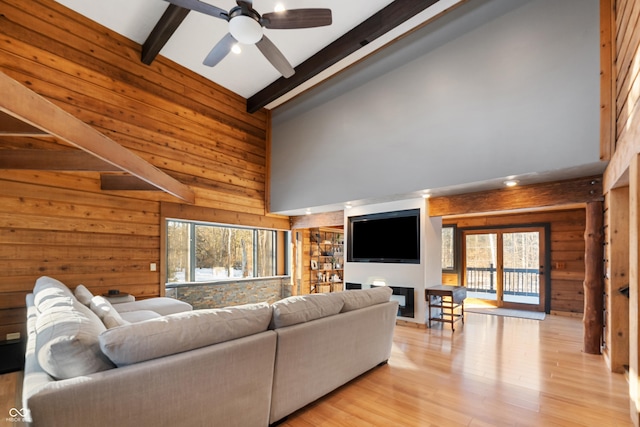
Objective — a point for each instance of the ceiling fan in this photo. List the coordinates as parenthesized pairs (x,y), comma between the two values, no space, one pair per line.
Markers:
(245,26)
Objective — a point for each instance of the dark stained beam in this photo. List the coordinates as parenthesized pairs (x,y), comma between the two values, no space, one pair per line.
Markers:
(110,182)
(10,126)
(48,160)
(581,190)
(378,24)
(164,29)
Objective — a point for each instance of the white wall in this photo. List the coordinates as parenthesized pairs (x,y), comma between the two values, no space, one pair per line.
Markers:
(417,276)
(497,88)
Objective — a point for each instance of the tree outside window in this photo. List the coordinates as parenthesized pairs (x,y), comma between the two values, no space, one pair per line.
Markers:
(448,248)
(200,252)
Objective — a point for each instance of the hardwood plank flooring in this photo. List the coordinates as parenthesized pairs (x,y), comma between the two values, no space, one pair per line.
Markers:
(493,371)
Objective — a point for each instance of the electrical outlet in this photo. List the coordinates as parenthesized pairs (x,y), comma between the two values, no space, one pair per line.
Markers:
(13,336)
(153,266)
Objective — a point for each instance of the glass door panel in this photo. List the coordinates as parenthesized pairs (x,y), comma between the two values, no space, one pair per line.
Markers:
(481,259)
(504,266)
(521,273)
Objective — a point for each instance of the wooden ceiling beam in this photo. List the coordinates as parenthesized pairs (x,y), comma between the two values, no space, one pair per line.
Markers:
(26,105)
(49,160)
(378,24)
(162,32)
(549,194)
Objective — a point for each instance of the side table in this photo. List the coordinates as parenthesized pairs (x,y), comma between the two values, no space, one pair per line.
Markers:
(447,299)
(12,355)
(119,298)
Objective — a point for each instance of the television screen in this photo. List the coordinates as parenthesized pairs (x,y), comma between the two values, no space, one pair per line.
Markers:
(392,237)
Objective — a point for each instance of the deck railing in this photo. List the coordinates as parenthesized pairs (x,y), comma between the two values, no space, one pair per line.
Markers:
(516,281)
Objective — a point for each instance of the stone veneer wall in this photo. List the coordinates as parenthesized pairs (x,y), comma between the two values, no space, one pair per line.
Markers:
(227,293)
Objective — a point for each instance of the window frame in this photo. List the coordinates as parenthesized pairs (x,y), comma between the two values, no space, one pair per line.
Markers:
(192,224)
(454,248)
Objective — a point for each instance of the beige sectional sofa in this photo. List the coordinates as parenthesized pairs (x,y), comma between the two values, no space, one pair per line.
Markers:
(157,363)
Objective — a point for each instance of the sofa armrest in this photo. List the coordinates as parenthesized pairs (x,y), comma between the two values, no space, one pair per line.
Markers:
(316,357)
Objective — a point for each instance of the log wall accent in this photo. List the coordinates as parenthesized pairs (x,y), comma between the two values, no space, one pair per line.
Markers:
(545,195)
(567,251)
(326,219)
(61,223)
(594,279)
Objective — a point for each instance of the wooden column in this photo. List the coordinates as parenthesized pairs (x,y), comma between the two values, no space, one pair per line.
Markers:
(634,300)
(593,278)
(617,304)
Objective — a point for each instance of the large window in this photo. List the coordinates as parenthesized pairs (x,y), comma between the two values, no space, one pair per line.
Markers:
(203,252)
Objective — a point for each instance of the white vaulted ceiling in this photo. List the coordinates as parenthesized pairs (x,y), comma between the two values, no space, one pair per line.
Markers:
(248,72)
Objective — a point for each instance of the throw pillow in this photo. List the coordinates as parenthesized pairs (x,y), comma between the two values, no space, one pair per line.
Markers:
(83,295)
(105,311)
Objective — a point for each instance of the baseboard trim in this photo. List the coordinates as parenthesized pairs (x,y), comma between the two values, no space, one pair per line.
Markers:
(411,324)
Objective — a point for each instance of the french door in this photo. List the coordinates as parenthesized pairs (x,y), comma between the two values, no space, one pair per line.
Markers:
(505,266)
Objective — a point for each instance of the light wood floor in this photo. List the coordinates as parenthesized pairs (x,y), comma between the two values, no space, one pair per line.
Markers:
(493,371)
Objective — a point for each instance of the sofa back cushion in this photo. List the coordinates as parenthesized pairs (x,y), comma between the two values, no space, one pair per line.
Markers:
(49,292)
(67,343)
(360,298)
(304,308)
(180,332)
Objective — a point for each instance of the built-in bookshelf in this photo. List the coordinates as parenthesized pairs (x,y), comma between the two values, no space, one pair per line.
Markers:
(326,260)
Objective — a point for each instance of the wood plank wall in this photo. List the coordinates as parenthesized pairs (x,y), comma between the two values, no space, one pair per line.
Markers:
(621,321)
(627,68)
(567,251)
(61,224)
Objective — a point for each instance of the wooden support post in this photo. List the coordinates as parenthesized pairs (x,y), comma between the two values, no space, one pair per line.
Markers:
(594,278)
(617,303)
(634,300)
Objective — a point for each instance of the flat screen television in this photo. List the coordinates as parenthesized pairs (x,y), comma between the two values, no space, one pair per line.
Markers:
(391,237)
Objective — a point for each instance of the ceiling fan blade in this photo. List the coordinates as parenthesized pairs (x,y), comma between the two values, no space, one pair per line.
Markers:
(273,55)
(297,18)
(201,7)
(220,50)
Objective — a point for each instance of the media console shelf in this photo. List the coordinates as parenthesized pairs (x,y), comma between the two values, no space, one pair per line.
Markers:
(447,299)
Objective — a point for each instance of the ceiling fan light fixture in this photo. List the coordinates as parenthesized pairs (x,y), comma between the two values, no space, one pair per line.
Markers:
(245,29)
(236,49)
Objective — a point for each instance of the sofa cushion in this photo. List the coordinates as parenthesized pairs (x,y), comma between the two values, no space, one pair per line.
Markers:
(67,343)
(83,295)
(182,332)
(139,316)
(361,298)
(49,292)
(105,311)
(161,305)
(304,308)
